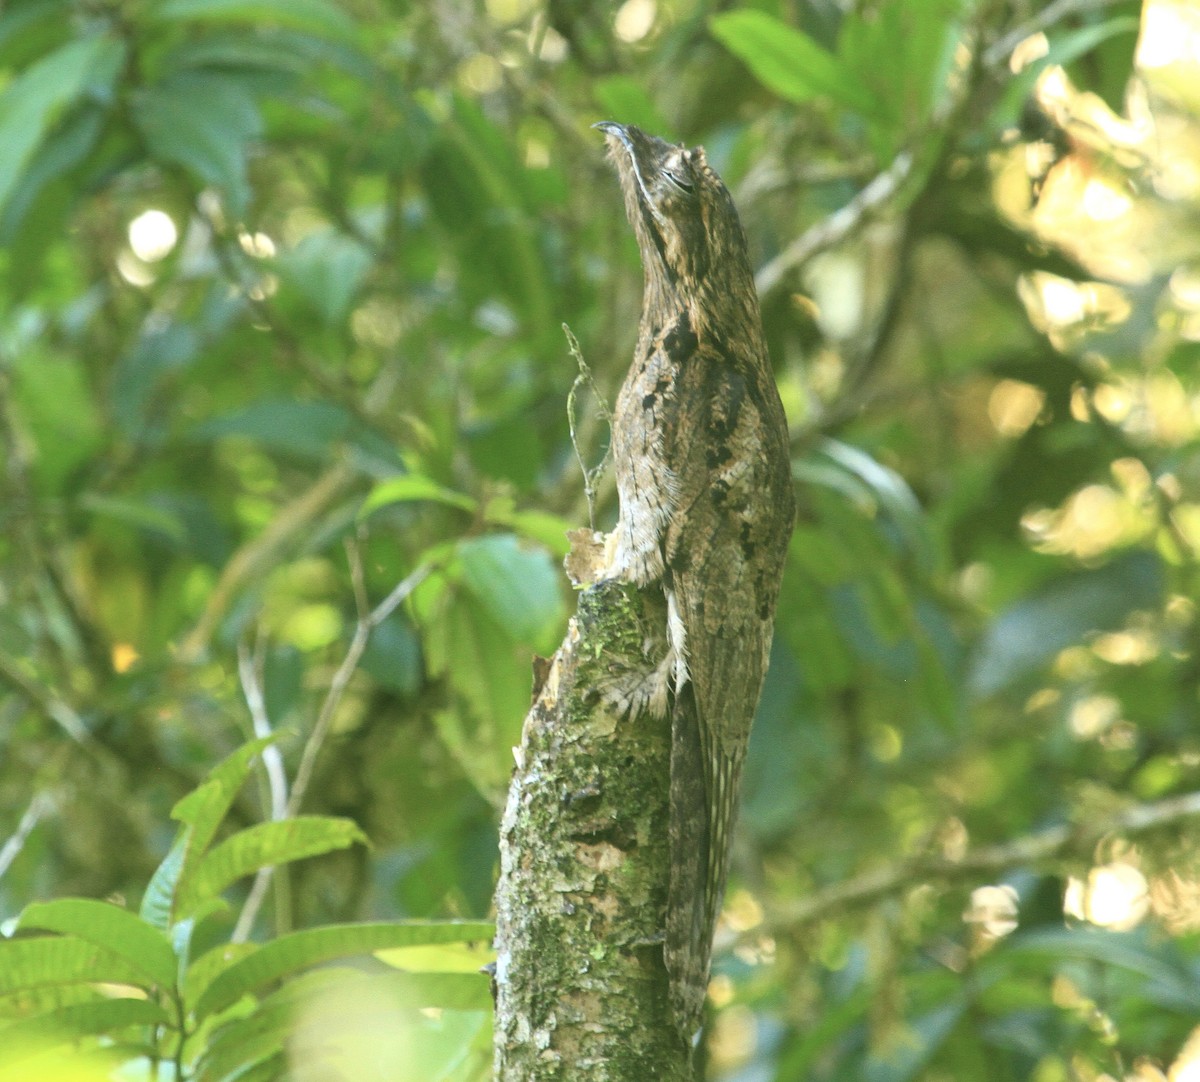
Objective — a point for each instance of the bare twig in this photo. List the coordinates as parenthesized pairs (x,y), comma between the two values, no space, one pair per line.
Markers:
(1052,843)
(40,805)
(250,675)
(368,620)
(585,378)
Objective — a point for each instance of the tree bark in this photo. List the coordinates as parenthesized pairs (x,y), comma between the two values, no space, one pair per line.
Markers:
(581,989)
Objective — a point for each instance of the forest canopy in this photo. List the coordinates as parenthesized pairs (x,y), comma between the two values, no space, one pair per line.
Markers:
(291,437)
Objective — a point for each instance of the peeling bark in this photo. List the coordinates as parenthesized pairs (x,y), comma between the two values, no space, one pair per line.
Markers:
(581,989)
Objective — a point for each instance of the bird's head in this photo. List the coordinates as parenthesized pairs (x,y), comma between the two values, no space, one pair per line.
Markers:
(686,224)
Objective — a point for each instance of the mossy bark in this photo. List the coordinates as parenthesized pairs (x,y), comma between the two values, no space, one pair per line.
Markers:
(581,990)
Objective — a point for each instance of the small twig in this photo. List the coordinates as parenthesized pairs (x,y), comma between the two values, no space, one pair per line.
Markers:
(40,805)
(44,699)
(368,620)
(1054,842)
(585,377)
(250,675)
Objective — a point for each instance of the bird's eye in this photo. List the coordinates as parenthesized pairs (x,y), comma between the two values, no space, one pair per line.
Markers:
(679,182)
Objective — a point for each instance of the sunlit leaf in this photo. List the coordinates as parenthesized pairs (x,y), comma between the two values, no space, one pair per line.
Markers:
(111,927)
(300,950)
(789,62)
(265,844)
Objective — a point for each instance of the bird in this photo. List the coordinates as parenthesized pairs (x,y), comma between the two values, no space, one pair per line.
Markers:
(706,507)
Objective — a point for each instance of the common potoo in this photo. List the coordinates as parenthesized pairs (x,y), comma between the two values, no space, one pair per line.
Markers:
(703,474)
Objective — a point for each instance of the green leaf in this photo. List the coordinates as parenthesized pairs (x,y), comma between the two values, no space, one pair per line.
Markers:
(789,62)
(412,487)
(57,406)
(518,585)
(1061,613)
(108,926)
(205,806)
(300,950)
(158,902)
(307,429)
(263,845)
(316,16)
(201,812)
(135,513)
(202,122)
(326,268)
(61,959)
(68,1024)
(33,101)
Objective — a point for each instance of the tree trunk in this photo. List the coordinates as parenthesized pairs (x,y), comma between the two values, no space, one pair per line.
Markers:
(581,989)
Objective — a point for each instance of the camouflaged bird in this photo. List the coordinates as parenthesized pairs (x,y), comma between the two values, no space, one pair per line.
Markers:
(700,447)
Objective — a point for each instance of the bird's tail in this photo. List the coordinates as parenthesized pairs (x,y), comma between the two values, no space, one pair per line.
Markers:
(704,785)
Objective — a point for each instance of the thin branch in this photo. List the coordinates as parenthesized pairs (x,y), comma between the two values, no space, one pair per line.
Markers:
(1045,845)
(368,620)
(44,699)
(250,676)
(837,227)
(40,805)
(585,378)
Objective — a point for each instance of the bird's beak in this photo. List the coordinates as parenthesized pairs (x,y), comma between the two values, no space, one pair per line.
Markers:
(617,131)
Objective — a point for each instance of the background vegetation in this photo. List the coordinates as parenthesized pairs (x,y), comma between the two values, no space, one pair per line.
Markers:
(281,293)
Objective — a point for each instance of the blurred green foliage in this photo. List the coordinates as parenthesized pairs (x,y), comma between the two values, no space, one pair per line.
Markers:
(281,293)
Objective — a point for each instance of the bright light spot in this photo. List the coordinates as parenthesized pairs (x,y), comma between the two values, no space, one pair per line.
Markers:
(1117,896)
(1185,287)
(742,911)
(133,270)
(634,19)
(480,73)
(1103,203)
(1170,33)
(553,46)
(536,154)
(1114,403)
(1091,716)
(123,657)
(1126,647)
(994,910)
(1063,301)
(1032,48)
(1013,406)
(152,235)
(257,245)
(508,11)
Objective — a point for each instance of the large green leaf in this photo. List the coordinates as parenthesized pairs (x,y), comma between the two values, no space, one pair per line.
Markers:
(204,123)
(412,487)
(316,16)
(516,583)
(326,269)
(62,959)
(263,845)
(67,1024)
(300,950)
(109,926)
(37,97)
(789,62)
(1061,613)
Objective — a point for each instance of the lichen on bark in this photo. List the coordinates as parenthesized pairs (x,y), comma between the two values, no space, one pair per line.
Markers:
(581,990)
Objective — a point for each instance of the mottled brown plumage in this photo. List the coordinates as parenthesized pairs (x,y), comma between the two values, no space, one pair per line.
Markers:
(703,474)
